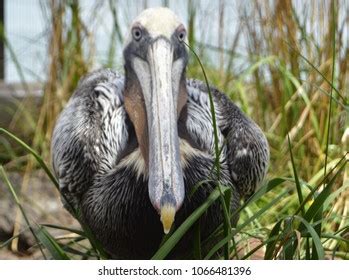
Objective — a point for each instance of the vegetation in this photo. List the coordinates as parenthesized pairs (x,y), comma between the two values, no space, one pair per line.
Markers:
(293,81)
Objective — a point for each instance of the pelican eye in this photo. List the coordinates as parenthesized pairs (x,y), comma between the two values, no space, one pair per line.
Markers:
(181,35)
(136,33)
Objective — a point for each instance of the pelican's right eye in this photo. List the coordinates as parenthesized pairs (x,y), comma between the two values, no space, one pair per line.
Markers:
(136,33)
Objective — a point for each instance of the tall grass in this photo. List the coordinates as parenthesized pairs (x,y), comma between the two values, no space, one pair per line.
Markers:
(293,81)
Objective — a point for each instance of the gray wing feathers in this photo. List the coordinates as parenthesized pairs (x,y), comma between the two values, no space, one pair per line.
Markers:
(247,150)
(199,122)
(90,132)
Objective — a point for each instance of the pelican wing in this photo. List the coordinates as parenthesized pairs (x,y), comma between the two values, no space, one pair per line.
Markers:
(90,133)
(246,150)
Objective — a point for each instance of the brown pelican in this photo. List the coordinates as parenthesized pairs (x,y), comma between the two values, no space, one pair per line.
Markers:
(128,150)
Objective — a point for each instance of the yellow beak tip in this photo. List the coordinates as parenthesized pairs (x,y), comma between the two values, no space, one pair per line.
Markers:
(167,214)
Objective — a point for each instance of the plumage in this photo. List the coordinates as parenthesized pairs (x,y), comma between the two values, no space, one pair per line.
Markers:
(104,157)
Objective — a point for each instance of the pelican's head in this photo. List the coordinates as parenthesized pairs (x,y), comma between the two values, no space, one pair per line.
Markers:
(155,93)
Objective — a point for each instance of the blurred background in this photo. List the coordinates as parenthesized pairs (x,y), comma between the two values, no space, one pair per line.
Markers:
(284,62)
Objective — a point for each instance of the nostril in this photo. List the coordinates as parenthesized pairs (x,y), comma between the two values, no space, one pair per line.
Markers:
(168,199)
(167,185)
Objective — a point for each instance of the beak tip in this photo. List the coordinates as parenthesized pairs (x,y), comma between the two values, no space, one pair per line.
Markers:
(167,215)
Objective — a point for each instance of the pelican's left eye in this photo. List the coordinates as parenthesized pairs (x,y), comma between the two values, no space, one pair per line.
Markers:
(181,33)
(181,36)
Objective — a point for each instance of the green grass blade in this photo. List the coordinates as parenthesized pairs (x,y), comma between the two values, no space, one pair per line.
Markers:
(321,198)
(320,253)
(345,102)
(50,243)
(311,194)
(333,4)
(266,242)
(184,227)
(263,190)
(96,245)
(226,207)
(79,232)
(217,246)
(274,235)
(14,195)
(73,251)
(197,241)
(298,185)
(32,152)
(43,165)
(288,248)
(318,228)
(260,212)
(334,195)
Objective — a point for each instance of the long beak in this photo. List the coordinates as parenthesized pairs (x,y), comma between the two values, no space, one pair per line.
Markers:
(166,185)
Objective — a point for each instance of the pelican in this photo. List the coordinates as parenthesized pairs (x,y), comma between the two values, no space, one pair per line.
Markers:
(128,151)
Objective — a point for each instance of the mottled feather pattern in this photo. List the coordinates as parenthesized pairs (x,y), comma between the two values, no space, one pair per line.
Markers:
(247,148)
(90,131)
(117,207)
(199,120)
(99,165)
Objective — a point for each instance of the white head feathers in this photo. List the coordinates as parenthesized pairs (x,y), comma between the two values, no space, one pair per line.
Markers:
(158,21)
